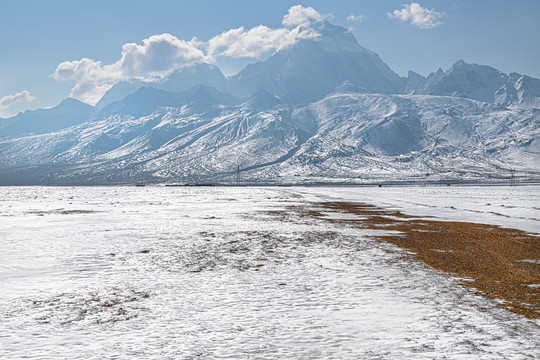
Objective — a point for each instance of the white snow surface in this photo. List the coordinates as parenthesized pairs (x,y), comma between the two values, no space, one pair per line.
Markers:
(515,207)
(218,272)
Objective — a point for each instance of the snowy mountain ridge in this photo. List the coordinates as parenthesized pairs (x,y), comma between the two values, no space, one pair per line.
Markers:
(324,110)
(479,82)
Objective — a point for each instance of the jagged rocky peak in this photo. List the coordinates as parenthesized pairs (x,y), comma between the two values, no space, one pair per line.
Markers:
(483,83)
(437,75)
(414,81)
(460,64)
(479,72)
(528,91)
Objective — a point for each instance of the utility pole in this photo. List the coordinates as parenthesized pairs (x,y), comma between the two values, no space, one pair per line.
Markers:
(513,177)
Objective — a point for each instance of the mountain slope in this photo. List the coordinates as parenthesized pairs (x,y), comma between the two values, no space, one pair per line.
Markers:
(399,137)
(346,136)
(68,113)
(145,100)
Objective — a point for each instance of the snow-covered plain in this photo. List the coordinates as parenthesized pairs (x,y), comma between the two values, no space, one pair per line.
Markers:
(194,272)
(515,207)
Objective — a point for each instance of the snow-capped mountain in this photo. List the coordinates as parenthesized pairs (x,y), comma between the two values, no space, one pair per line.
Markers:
(479,82)
(314,67)
(346,136)
(68,113)
(323,110)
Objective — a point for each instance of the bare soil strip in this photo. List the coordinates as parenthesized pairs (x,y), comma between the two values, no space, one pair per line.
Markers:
(503,264)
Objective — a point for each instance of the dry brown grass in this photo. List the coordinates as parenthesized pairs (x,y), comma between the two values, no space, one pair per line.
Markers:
(489,258)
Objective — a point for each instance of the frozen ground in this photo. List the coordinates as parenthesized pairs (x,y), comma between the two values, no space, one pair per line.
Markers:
(185,272)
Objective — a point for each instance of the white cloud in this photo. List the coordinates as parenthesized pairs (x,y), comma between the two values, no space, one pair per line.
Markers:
(157,57)
(160,55)
(422,17)
(329,17)
(256,41)
(261,39)
(355,18)
(20,97)
(299,15)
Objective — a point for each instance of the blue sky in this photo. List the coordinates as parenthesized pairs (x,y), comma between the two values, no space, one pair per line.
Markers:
(38,36)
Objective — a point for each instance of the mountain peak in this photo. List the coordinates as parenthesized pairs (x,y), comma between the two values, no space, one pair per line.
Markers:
(414,81)
(180,80)
(263,100)
(314,67)
(67,113)
(482,83)
(202,89)
(70,100)
(71,104)
(462,66)
(325,28)
(203,98)
(460,63)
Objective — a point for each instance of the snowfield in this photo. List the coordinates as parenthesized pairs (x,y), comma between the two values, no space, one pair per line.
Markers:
(226,272)
(515,207)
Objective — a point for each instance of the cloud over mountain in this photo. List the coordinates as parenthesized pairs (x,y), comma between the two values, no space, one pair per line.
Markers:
(301,16)
(158,56)
(262,39)
(420,16)
(256,41)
